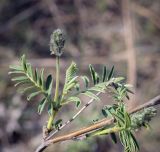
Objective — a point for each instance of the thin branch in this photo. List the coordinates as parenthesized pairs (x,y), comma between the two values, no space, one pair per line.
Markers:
(153,102)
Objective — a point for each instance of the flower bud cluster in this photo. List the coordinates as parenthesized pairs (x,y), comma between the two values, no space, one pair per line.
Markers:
(143,117)
(57,42)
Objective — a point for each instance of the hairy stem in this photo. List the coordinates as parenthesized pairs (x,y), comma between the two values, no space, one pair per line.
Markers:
(57,79)
(50,121)
(51,118)
(107,131)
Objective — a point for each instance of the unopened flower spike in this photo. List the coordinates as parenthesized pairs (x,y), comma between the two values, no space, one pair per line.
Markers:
(57,42)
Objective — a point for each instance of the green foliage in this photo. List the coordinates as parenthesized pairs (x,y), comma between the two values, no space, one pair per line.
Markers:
(32,82)
(123,121)
(49,84)
(113,137)
(126,136)
(128,141)
(74,99)
(70,79)
(41,105)
(91,88)
(126,124)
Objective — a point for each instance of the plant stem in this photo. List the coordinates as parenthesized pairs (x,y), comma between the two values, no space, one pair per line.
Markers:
(107,131)
(51,118)
(57,79)
(50,121)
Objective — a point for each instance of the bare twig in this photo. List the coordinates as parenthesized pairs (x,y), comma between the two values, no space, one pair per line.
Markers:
(153,102)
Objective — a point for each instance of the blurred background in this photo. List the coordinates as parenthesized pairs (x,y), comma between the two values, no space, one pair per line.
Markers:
(124,33)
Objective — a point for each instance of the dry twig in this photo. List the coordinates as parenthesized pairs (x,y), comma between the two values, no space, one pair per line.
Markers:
(153,102)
